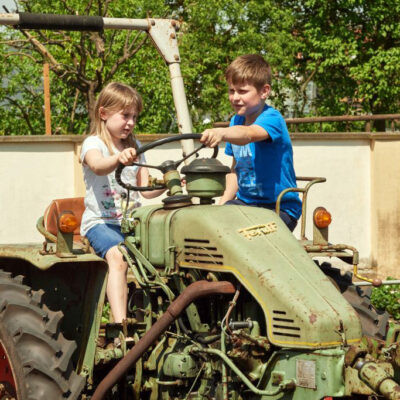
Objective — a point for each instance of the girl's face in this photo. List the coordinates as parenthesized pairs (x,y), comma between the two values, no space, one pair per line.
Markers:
(120,124)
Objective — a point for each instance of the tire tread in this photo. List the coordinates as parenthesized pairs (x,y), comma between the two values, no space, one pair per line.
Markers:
(35,332)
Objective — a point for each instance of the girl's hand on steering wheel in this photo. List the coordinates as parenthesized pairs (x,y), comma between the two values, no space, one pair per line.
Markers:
(127,156)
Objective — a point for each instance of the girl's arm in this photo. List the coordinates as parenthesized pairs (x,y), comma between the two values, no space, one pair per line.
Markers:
(101,165)
(142,180)
(231,185)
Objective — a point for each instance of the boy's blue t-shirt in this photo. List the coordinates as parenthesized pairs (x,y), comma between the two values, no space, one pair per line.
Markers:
(265,168)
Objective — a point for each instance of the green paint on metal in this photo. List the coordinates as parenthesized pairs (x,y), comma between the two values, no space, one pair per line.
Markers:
(173,181)
(92,319)
(317,374)
(32,254)
(192,312)
(65,245)
(180,365)
(288,385)
(103,356)
(272,266)
(205,187)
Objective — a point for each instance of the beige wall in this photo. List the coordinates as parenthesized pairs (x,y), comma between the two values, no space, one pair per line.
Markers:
(30,175)
(361,190)
(385,210)
(347,191)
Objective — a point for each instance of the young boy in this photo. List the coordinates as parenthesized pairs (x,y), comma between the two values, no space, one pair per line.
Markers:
(259,142)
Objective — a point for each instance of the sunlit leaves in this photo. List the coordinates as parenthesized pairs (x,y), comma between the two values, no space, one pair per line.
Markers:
(348,48)
(353,47)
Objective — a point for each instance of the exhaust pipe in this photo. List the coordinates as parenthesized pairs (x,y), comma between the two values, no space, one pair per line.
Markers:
(190,294)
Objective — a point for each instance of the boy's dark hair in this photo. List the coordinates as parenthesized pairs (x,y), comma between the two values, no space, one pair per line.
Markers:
(249,68)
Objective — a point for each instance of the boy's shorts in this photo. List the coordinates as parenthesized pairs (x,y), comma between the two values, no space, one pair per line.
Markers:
(104,236)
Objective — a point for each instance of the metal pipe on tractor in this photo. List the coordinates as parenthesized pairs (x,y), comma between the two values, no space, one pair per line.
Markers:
(190,294)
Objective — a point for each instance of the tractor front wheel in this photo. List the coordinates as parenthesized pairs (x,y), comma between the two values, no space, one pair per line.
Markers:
(35,358)
(373,322)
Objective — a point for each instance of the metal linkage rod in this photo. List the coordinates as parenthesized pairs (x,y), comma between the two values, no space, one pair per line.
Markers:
(71,22)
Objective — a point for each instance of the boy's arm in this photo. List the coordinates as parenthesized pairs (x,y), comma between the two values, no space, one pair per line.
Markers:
(237,134)
(231,186)
(101,165)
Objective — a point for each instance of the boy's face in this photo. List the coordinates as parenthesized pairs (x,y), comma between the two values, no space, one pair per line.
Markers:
(246,99)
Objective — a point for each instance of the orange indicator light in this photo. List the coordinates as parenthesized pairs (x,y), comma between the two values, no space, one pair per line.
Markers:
(322,217)
(67,223)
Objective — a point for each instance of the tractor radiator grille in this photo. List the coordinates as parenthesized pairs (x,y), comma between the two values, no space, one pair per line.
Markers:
(202,252)
(282,325)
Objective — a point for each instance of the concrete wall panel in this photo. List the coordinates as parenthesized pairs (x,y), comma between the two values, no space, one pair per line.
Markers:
(385,216)
(30,175)
(346,194)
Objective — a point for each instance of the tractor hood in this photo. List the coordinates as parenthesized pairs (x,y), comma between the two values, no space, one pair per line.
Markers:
(302,308)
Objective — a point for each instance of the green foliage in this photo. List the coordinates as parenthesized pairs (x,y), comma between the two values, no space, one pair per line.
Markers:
(81,64)
(349,48)
(352,49)
(106,314)
(387,297)
(20,97)
(231,28)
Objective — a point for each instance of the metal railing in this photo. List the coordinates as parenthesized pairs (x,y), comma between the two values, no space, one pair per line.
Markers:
(293,123)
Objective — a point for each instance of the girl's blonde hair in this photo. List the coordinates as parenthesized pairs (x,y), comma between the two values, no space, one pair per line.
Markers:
(115,97)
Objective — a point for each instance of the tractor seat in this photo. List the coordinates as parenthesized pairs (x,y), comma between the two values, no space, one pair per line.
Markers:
(56,207)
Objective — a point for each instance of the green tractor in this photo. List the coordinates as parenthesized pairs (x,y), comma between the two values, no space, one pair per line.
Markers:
(224,302)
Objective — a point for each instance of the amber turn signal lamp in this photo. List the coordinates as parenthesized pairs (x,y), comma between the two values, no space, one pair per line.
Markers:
(67,223)
(322,217)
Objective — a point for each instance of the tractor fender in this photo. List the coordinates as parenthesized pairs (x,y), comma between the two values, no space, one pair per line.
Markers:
(32,253)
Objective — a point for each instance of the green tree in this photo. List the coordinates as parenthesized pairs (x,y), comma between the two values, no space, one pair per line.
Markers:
(351,49)
(20,97)
(348,48)
(80,62)
(218,31)
(213,33)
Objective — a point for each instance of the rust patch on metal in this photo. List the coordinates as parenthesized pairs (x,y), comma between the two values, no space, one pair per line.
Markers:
(352,354)
(313,318)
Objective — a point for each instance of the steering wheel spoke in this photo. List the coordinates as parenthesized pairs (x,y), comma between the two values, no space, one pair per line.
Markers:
(145,165)
(165,166)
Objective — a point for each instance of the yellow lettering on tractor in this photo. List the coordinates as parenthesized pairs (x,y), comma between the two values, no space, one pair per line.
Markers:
(258,230)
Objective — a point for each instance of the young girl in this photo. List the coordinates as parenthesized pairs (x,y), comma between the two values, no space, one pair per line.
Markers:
(112,142)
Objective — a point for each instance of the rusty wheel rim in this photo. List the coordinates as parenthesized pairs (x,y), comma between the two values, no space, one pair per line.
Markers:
(8,388)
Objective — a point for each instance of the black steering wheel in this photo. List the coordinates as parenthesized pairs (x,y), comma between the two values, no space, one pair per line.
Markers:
(166,166)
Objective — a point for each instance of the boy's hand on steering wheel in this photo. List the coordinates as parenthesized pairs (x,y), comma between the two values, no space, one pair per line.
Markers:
(127,156)
(212,137)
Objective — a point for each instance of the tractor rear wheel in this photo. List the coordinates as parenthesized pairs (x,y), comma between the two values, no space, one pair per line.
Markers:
(35,358)
(373,322)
